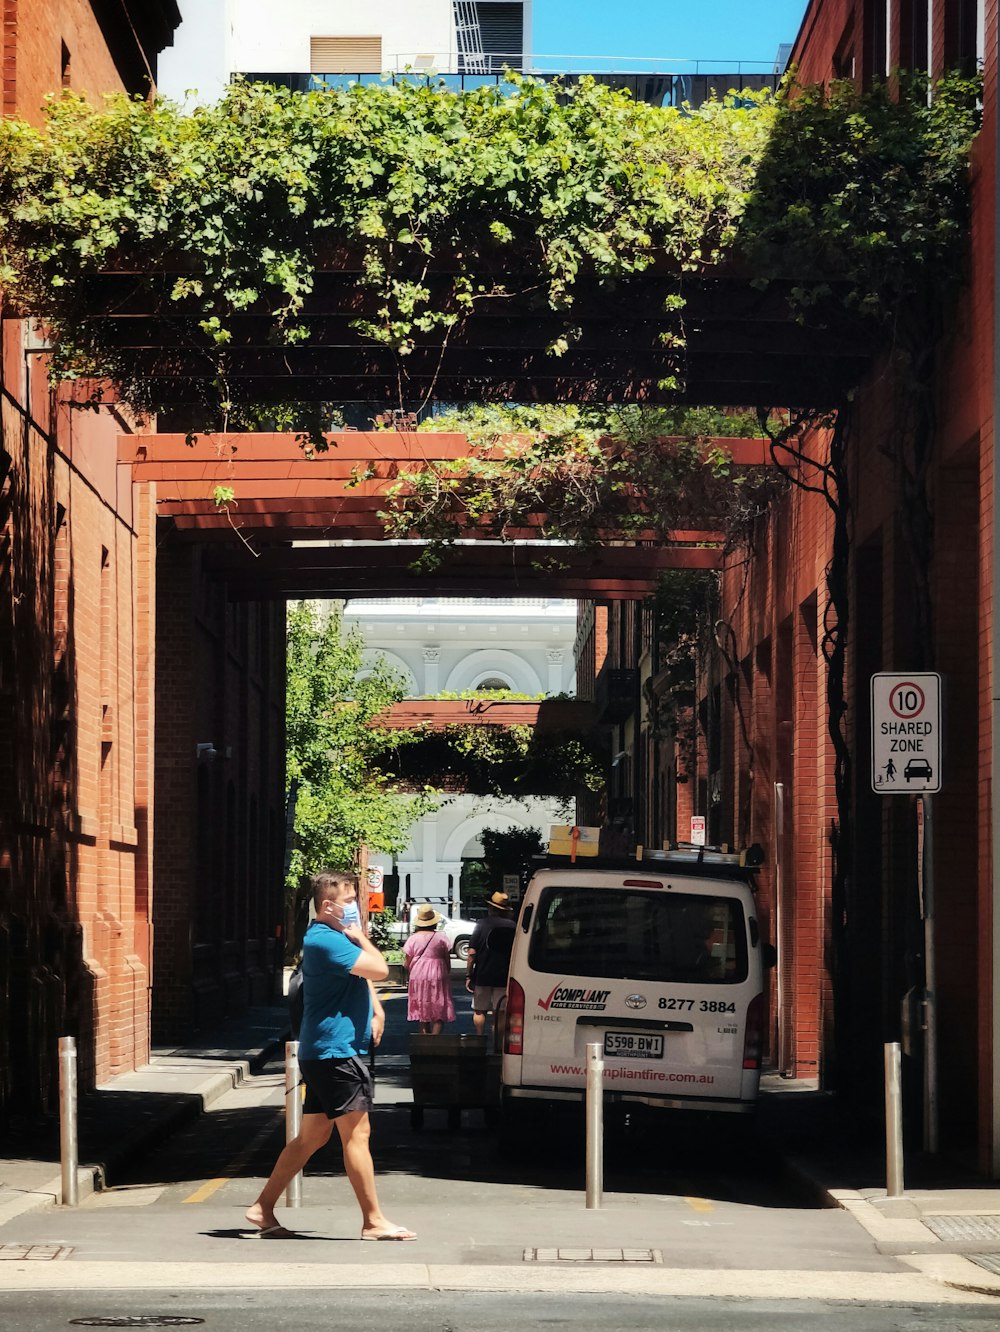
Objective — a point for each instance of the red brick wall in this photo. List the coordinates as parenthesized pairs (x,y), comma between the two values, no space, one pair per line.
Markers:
(76,672)
(49,44)
(35,33)
(777,617)
(70,574)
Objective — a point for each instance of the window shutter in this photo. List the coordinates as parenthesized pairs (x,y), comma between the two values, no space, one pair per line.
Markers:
(345,55)
(502,29)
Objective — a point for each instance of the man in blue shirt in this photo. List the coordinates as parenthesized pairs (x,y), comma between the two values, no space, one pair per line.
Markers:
(339,966)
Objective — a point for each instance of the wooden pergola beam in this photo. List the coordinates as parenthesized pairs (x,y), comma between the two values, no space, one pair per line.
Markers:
(485,332)
(439,586)
(729,383)
(435,714)
(638,562)
(277,528)
(337,295)
(170,456)
(351,512)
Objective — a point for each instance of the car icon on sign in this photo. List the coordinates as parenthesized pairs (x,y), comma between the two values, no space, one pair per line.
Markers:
(918,767)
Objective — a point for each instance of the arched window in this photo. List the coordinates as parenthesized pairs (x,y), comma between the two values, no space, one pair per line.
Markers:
(493,683)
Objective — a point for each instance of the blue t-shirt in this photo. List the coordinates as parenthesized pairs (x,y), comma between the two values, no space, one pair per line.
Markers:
(337,1019)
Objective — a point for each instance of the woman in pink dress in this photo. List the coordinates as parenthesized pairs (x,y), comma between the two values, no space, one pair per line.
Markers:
(428,962)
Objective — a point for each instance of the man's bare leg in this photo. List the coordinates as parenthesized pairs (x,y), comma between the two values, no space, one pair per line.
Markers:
(355,1136)
(479,1023)
(315,1131)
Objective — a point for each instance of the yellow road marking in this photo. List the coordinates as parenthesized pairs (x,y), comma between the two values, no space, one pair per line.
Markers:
(207,1189)
(213,1185)
(700,1204)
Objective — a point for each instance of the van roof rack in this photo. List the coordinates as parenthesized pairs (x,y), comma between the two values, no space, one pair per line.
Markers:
(710,861)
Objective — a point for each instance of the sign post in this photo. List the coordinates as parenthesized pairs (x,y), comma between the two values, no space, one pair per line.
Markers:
(906,760)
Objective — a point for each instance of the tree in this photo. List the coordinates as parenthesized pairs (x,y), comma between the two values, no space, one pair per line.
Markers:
(508,851)
(344,798)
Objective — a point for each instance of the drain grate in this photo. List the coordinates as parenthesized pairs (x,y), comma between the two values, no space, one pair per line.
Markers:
(34,1253)
(991,1261)
(974,1228)
(593,1256)
(136,1320)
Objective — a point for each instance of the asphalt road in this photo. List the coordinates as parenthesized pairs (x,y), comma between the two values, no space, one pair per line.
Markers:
(423,1311)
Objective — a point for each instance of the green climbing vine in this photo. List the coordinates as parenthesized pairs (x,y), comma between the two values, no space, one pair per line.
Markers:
(235,209)
(492,759)
(578,474)
(444,203)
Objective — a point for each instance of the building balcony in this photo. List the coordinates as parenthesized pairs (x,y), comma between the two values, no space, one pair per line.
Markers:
(616,695)
(655,88)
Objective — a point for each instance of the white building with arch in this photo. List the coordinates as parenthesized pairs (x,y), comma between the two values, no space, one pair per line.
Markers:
(455,645)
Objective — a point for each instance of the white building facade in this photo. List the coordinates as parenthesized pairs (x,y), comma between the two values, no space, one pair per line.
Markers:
(221,38)
(454,645)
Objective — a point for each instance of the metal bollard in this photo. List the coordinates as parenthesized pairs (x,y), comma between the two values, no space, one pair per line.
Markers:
(293,1116)
(595,1126)
(69,1147)
(893,1122)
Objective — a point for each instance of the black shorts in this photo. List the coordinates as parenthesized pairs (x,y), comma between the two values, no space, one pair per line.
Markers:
(336,1087)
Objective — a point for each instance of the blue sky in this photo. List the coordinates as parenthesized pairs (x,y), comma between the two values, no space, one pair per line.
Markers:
(719,32)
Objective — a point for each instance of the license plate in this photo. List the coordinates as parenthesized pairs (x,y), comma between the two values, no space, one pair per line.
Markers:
(632,1045)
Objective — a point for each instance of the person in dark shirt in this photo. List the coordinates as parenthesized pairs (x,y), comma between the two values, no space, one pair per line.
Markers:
(339,966)
(488,960)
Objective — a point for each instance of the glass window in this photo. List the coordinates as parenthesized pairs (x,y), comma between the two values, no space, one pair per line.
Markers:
(637,934)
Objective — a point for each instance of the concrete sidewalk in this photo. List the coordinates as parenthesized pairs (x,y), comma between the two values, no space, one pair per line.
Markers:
(123,1118)
(946,1226)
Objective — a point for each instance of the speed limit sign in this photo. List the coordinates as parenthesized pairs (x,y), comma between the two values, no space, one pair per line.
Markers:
(906,733)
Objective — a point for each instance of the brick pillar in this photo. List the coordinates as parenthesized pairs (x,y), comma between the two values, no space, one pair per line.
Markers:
(174,875)
(144,502)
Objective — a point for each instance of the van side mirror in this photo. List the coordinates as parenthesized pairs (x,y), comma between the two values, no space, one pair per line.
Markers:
(769,955)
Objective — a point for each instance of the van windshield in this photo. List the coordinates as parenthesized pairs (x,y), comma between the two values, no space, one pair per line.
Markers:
(623,933)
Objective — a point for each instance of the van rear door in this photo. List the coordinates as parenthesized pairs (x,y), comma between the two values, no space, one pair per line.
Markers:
(660,971)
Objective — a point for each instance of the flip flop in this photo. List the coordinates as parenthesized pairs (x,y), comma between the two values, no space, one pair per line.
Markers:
(391,1233)
(276,1232)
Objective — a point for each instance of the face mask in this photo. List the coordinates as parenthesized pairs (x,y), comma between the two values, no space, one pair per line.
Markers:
(351,916)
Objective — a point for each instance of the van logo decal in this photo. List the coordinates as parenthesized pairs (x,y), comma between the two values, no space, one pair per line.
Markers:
(635,1001)
(564,996)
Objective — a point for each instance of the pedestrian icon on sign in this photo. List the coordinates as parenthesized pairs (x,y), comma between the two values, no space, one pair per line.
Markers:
(890,770)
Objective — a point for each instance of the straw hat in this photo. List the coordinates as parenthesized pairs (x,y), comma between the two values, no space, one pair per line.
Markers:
(426,917)
(499,902)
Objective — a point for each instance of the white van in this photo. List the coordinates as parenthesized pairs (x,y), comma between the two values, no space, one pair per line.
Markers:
(659,960)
